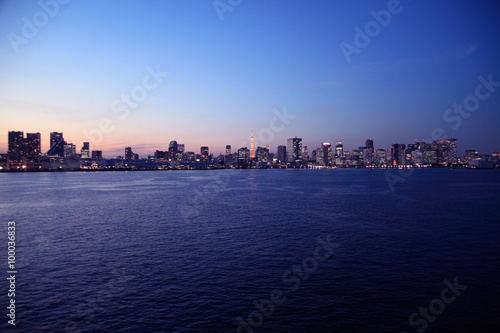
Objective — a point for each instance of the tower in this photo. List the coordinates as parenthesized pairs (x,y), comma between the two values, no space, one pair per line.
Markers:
(252,155)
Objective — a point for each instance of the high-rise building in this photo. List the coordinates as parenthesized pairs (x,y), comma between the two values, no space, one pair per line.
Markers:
(97,154)
(85,151)
(396,154)
(129,154)
(305,154)
(282,156)
(16,144)
(243,156)
(204,154)
(380,156)
(417,157)
(429,152)
(447,151)
(324,154)
(228,150)
(369,143)
(294,150)
(180,152)
(69,150)
(33,144)
(469,155)
(252,155)
(172,150)
(368,155)
(339,149)
(56,144)
(262,154)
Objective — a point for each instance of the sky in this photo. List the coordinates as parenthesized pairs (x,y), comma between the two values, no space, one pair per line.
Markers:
(207,73)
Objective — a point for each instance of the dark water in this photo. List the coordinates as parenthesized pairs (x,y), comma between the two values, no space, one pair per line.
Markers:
(191,251)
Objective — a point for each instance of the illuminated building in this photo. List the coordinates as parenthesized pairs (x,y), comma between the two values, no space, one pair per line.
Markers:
(252,155)
(204,154)
(56,144)
(97,154)
(305,154)
(339,149)
(69,150)
(16,144)
(380,156)
(369,143)
(447,151)
(33,145)
(324,154)
(172,150)
(368,155)
(294,150)
(85,151)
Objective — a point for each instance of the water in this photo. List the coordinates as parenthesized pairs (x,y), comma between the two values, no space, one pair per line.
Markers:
(190,251)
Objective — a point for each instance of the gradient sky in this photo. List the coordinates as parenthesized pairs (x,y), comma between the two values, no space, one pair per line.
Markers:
(227,76)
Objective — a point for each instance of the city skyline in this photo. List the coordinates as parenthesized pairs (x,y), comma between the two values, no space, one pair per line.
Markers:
(32,141)
(138,75)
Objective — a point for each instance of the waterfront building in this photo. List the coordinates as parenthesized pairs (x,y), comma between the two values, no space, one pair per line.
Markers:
(294,150)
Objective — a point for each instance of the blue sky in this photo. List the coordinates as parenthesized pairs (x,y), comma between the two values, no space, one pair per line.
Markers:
(225,77)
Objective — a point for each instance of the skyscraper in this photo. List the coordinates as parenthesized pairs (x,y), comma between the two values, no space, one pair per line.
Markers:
(69,150)
(180,152)
(228,150)
(97,154)
(16,143)
(324,154)
(368,155)
(397,154)
(369,143)
(56,144)
(380,157)
(204,154)
(243,156)
(85,151)
(294,150)
(172,150)
(252,155)
(33,145)
(447,151)
(339,149)
(305,153)
(129,154)
(282,154)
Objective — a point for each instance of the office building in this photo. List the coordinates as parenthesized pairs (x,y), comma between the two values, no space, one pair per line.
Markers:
(56,144)
(294,150)
(447,151)
(85,151)
(282,156)
(339,149)
(96,154)
(369,143)
(33,144)
(17,144)
(204,154)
